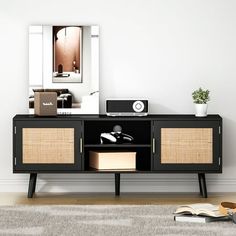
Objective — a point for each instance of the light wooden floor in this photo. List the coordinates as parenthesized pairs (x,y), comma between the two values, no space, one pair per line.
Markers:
(110,198)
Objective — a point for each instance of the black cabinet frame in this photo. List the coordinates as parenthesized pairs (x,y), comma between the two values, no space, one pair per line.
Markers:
(149,150)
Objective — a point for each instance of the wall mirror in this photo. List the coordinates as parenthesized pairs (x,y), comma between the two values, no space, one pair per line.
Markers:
(65,59)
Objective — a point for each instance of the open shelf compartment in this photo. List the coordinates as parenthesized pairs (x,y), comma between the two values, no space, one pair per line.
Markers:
(143,157)
(139,130)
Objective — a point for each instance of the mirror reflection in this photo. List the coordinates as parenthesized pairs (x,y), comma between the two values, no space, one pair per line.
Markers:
(65,60)
(67,56)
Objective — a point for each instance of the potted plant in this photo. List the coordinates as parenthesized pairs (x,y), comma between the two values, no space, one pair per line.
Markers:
(200,98)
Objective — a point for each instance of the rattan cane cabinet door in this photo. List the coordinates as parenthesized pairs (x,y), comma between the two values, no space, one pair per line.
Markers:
(186,146)
(47,146)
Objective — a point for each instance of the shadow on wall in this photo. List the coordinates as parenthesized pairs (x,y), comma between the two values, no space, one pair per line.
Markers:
(75,183)
(229,137)
(156,108)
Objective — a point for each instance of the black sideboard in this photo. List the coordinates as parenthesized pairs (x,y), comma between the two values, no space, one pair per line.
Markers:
(163,144)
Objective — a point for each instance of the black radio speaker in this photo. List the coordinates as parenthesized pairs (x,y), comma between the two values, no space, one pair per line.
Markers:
(126,107)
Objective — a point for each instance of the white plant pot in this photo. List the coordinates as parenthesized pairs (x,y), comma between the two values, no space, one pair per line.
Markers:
(201,110)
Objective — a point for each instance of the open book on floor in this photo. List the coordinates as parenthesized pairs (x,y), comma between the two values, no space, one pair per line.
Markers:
(199,209)
(199,212)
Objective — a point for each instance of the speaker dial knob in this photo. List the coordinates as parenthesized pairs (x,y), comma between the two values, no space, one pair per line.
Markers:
(138,106)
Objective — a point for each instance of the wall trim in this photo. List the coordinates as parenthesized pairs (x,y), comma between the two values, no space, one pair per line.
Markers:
(129,184)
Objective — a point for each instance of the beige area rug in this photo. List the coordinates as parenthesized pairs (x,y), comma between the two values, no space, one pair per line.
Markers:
(103,220)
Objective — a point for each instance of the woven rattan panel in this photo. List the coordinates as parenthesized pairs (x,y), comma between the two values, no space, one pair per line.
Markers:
(186,145)
(48,145)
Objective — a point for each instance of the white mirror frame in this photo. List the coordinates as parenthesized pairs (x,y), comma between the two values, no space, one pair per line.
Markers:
(85,95)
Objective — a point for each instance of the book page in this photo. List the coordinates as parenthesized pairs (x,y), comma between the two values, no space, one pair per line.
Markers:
(200,209)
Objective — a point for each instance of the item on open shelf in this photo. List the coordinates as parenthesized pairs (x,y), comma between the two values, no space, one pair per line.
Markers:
(108,160)
(116,136)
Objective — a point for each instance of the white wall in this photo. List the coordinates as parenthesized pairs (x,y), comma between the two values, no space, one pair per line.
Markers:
(159,49)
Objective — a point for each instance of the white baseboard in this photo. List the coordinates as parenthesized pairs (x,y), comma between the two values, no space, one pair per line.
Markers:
(128,184)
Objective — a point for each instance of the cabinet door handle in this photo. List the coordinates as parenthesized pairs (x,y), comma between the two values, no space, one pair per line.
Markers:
(81,145)
(153,145)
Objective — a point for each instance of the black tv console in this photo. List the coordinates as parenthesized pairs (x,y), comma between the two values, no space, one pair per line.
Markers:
(163,144)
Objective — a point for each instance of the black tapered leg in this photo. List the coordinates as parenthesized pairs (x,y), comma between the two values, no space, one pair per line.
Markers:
(202,184)
(204,187)
(35,184)
(117,184)
(32,184)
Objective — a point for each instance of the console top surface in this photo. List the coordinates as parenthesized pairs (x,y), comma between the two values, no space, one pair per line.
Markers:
(105,117)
